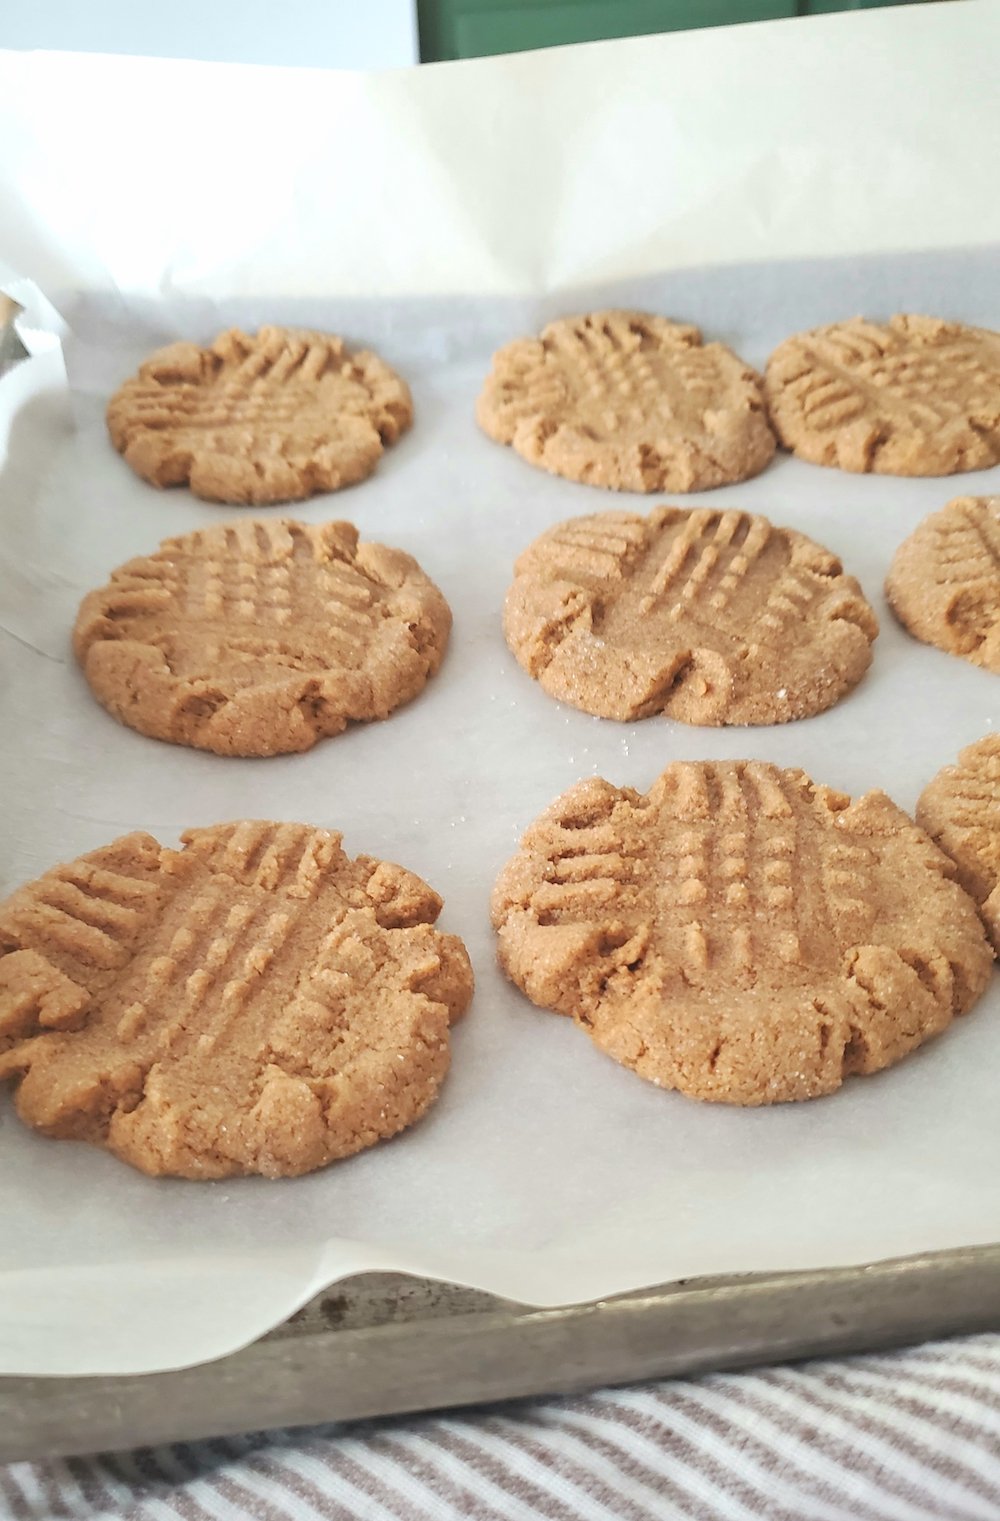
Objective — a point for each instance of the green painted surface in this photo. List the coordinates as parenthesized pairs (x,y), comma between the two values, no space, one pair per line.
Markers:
(504,29)
(474,28)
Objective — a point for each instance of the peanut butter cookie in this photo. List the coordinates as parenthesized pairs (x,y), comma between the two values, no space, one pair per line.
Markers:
(960,810)
(912,396)
(256,1002)
(944,582)
(713,617)
(738,932)
(271,418)
(258,638)
(628,401)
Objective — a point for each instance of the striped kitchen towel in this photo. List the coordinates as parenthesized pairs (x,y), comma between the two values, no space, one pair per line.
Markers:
(907,1436)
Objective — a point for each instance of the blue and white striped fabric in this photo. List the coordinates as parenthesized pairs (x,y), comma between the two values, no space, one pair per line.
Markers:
(908,1436)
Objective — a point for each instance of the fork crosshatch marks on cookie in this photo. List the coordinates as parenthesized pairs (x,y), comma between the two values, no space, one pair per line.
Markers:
(710,616)
(261,637)
(275,417)
(960,810)
(256,1002)
(913,396)
(739,932)
(628,401)
(944,581)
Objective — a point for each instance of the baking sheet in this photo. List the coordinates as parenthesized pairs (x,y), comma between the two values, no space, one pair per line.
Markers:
(545,1173)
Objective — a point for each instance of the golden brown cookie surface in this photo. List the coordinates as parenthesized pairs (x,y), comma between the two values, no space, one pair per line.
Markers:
(258,638)
(738,932)
(272,417)
(912,396)
(960,810)
(628,401)
(944,582)
(711,616)
(256,1002)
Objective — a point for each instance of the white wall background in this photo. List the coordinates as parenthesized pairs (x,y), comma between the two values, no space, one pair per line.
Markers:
(347,34)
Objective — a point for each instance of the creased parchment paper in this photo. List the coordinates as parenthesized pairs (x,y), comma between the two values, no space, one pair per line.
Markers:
(754,180)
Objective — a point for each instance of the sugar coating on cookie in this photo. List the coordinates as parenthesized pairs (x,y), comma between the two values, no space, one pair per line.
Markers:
(256,1002)
(271,417)
(628,401)
(710,616)
(912,396)
(739,932)
(944,581)
(960,810)
(261,637)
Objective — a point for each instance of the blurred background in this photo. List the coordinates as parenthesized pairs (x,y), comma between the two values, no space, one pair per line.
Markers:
(368,34)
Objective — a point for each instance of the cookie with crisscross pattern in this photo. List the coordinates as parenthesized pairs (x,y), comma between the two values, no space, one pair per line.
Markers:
(738,932)
(960,810)
(256,1002)
(628,401)
(944,581)
(260,637)
(912,396)
(273,417)
(711,616)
